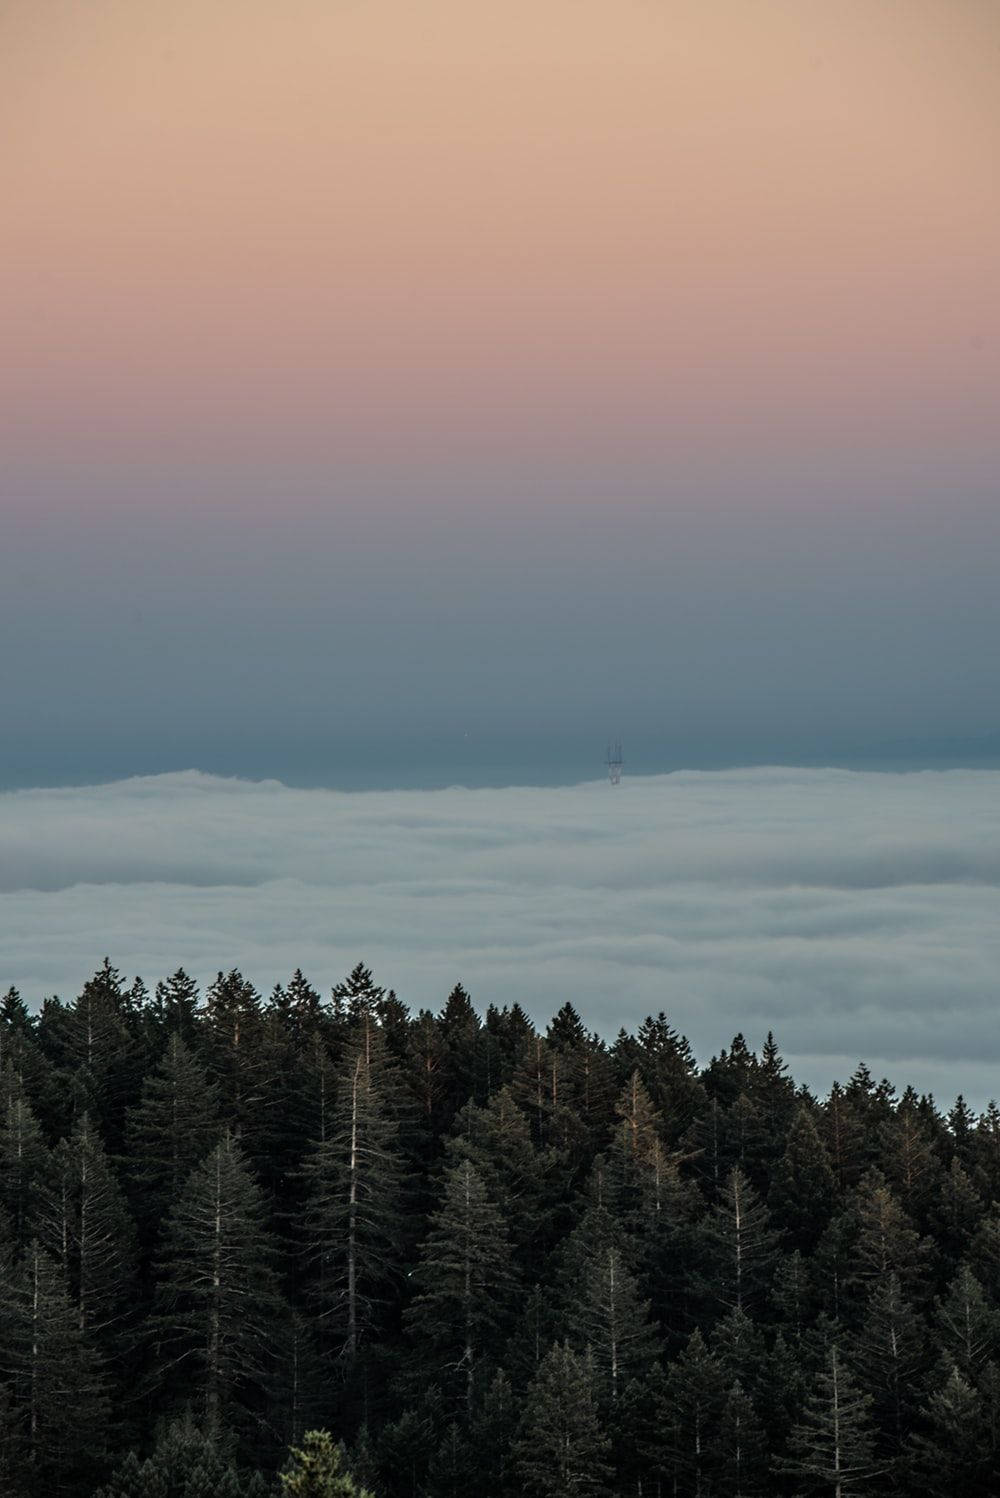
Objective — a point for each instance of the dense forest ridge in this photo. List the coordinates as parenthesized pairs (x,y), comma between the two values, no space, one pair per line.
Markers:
(484,1259)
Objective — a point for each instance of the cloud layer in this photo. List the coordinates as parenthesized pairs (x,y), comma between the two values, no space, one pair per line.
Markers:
(858,915)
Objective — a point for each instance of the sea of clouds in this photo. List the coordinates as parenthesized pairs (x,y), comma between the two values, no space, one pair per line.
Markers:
(857,915)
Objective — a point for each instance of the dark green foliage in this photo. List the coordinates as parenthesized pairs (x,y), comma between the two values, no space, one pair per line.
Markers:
(218,1298)
(611,1322)
(490,1259)
(832,1448)
(84,1222)
(955,1450)
(743,1468)
(887,1355)
(353,1213)
(741,1244)
(172,1129)
(184,1463)
(57,1410)
(801,1197)
(464,1283)
(562,1450)
(695,1395)
(24,1159)
(315,1470)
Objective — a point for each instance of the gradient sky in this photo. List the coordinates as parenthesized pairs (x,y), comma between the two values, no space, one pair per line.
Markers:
(424,391)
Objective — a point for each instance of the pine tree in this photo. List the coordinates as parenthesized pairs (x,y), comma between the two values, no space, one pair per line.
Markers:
(464,1284)
(742,1447)
(801,1197)
(887,1354)
(85,1224)
(667,1067)
(887,1242)
(234,1044)
(561,1449)
(611,1321)
(967,1325)
(654,1207)
(217,1295)
(737,1345)
(354,1179)
(492,1433)
(94,1051)
(518,1178)
(314,1470)
(173,1127)
(184,1463)
(741,1243)
(832,1449)
(843,1135)
(907,1154)
(24,1160)
(791,1296)
(58,1413)
(176,1006)
(954,1213)
(955,1451)
(695,1396)
(459,1031)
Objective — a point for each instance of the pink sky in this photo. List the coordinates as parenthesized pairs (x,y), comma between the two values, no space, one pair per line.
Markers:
(364,241)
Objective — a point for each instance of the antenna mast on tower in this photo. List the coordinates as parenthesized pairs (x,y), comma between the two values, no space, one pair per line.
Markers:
(615,761)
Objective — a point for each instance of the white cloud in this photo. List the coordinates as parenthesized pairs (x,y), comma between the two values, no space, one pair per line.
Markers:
(856,914)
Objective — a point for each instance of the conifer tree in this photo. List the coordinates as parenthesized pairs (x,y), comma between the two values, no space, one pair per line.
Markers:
(887,1242)
(737,1345)
(955,1452)
(464,1282)
(496,1138)
(742,1447)
(791,1296)
(94,1052)
(611,1321)
(233,1030)
(492,1434)
(667,1067)
(887,1355)
(954,1212)
(562,1450)
(217,1295)
(641,1444)
(653,1205)
(831,1449)
(58,1407)
(967,1325)
(842,1133)
(85,1224)
(695,1395)
(175,1006)
(354,1179)
(801,1197)
(183,1464)
(24,1159)
(315,1470)
(459,1033)
(742,1244)
(173,1127)
(908,1157)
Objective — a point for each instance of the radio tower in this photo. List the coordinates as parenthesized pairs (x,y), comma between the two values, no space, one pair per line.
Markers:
(615,761)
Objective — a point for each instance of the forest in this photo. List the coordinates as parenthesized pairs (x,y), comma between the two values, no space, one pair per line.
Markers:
(441,1255)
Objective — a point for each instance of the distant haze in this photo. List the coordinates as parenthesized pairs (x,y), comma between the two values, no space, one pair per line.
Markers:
(856,915)
(403,394)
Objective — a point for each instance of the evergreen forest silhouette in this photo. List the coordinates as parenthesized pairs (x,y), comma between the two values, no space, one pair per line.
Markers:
(291,1245)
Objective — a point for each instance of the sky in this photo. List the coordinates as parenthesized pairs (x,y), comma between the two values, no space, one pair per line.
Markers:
(855,914)
(400,395)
